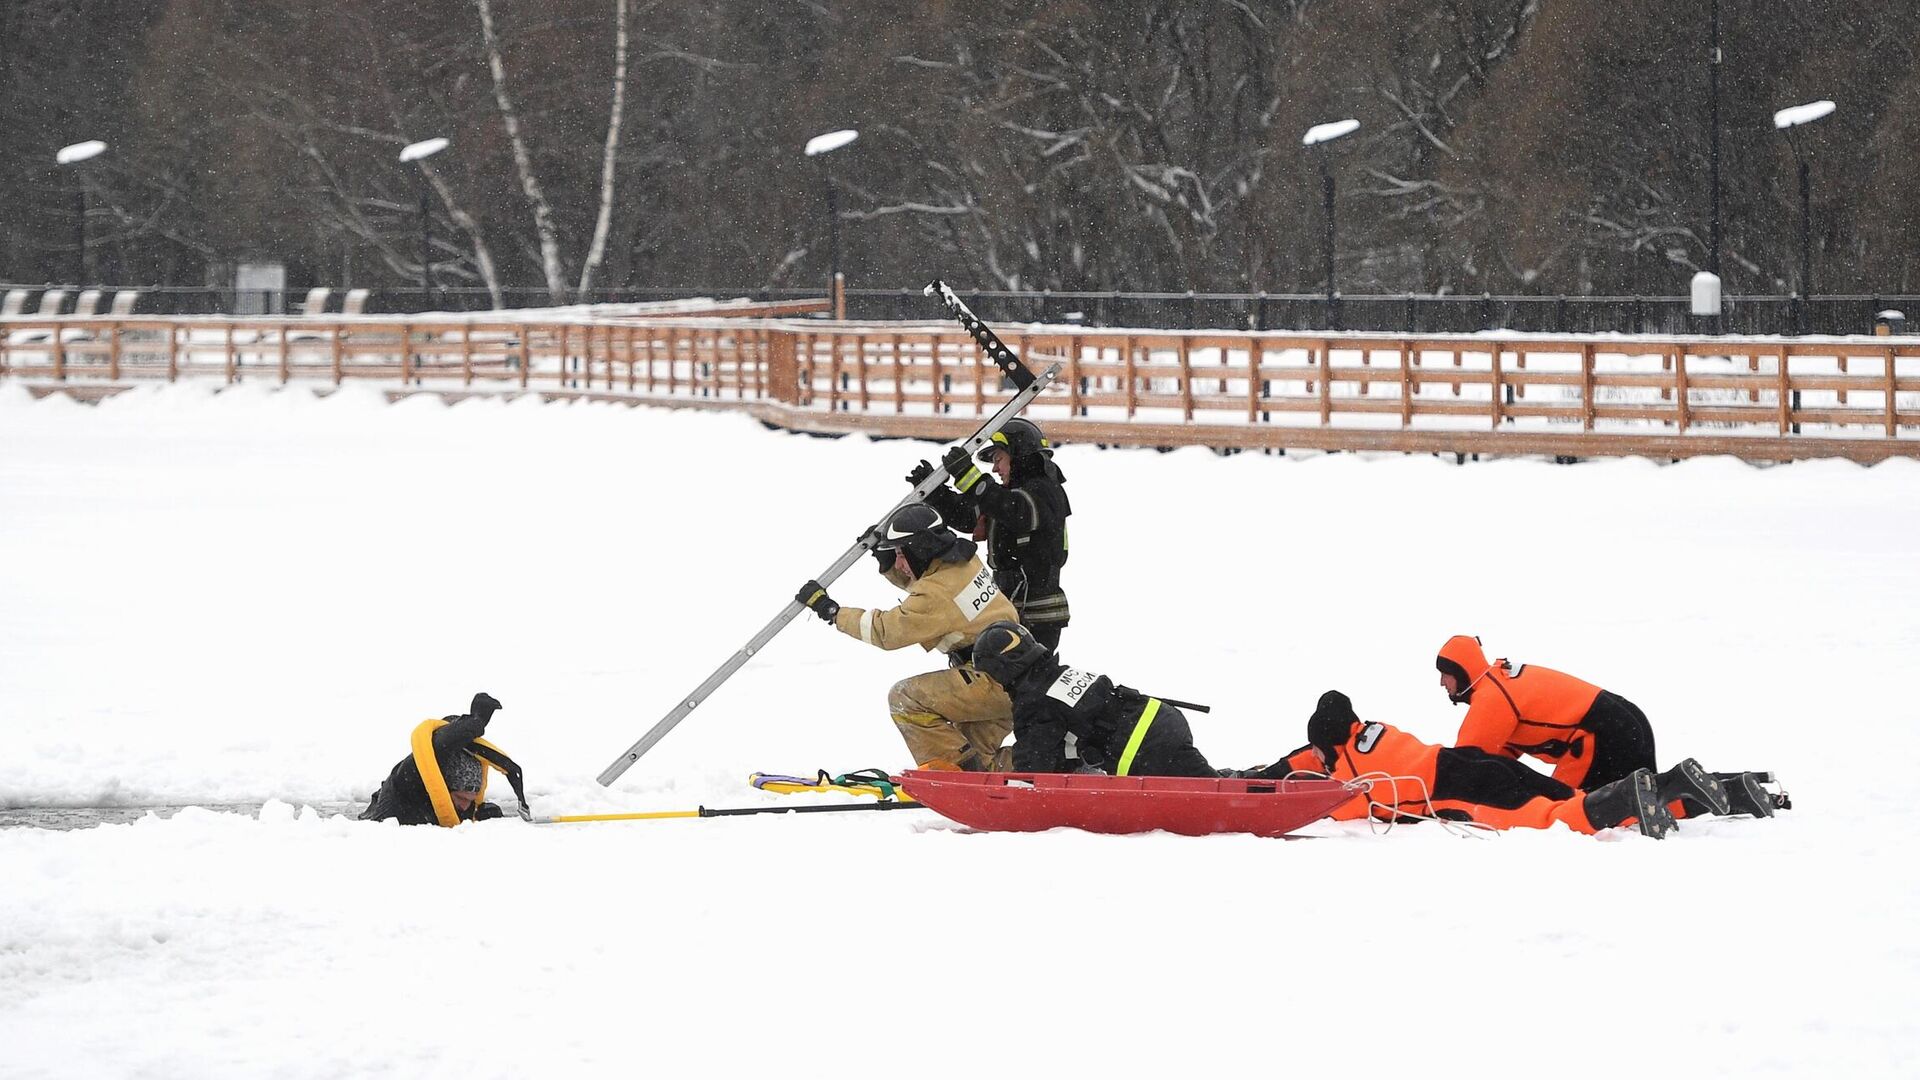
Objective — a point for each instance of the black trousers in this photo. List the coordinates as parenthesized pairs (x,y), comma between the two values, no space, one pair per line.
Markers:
(1470,774)
(1621,740)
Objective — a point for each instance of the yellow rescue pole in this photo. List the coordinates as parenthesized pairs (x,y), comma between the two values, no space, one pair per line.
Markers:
(615,817)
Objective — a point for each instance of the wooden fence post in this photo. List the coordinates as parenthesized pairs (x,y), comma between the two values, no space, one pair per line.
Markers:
(860,367)
(934,356)
(1589,408)
(1326,383)
(981,367)
(1786,394)
(1680,391)
(1407,388)
(1186,380)
(1498,384)
(1253,381)
(1893,419)
(899,374)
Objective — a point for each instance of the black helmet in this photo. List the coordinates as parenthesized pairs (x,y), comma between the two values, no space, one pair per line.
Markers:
(1020,437)
(1005,651)
(916,529)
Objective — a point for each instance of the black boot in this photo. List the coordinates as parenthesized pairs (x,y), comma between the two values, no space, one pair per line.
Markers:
(1695,787)
(1634,796)
(1745,795)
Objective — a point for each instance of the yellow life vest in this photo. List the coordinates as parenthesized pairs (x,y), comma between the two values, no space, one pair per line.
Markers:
(489,756)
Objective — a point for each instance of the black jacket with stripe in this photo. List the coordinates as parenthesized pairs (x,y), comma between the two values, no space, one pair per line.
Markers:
(1052,701)
(1026,535)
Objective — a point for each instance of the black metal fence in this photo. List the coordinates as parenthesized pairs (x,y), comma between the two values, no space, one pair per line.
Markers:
(1279,312)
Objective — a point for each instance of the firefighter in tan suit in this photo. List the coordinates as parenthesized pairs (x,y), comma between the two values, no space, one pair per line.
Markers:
(955,718)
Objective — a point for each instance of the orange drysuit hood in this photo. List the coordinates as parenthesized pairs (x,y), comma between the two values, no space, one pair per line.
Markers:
(1462,658)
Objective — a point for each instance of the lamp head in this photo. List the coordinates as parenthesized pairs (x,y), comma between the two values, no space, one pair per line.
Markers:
(832,140)
(1801,114)
(423,149)
(1324,133)
(79,152)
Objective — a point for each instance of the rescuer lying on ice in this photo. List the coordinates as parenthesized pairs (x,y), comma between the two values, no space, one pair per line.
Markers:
(1127,733)
(444,780)
(1591,737)
(950,718)
(1459,783)
(1118,729)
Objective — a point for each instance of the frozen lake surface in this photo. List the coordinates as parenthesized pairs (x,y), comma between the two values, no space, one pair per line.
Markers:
(246,600)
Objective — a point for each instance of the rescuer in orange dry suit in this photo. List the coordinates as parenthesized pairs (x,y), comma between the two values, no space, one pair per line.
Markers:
(1592,737)
(1411,779)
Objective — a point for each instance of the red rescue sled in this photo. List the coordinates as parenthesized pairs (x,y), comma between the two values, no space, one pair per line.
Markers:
(1191,806)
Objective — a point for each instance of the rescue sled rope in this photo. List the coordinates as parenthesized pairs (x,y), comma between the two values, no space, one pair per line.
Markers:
(1394,811)
(1456,828)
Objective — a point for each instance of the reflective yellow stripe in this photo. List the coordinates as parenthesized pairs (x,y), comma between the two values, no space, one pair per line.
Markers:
(963,483)
(1139,735)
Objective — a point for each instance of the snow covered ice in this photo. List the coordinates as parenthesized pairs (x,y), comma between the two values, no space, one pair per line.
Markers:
(252,596)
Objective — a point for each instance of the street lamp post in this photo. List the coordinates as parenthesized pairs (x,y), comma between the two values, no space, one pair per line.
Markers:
(1786,120)
(1706,302)
(77,154)
(421,151)
(816,146)
(1320,135)
(1713,140)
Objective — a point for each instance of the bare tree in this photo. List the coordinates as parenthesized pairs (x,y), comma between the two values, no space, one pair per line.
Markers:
(610,152)
(543,222)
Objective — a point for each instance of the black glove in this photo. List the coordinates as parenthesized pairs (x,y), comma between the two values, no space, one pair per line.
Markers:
(484,706)
(961,469)
(919,472)
(487,811)
(813,596)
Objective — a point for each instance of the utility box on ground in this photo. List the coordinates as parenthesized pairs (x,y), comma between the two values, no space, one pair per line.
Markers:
(260,288)
(1706,293)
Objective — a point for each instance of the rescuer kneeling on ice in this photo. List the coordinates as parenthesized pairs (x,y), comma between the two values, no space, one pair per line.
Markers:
(953,718)
(1590,736)
(444,780)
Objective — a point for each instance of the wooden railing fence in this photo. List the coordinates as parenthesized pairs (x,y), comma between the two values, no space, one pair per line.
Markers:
(1759,398)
